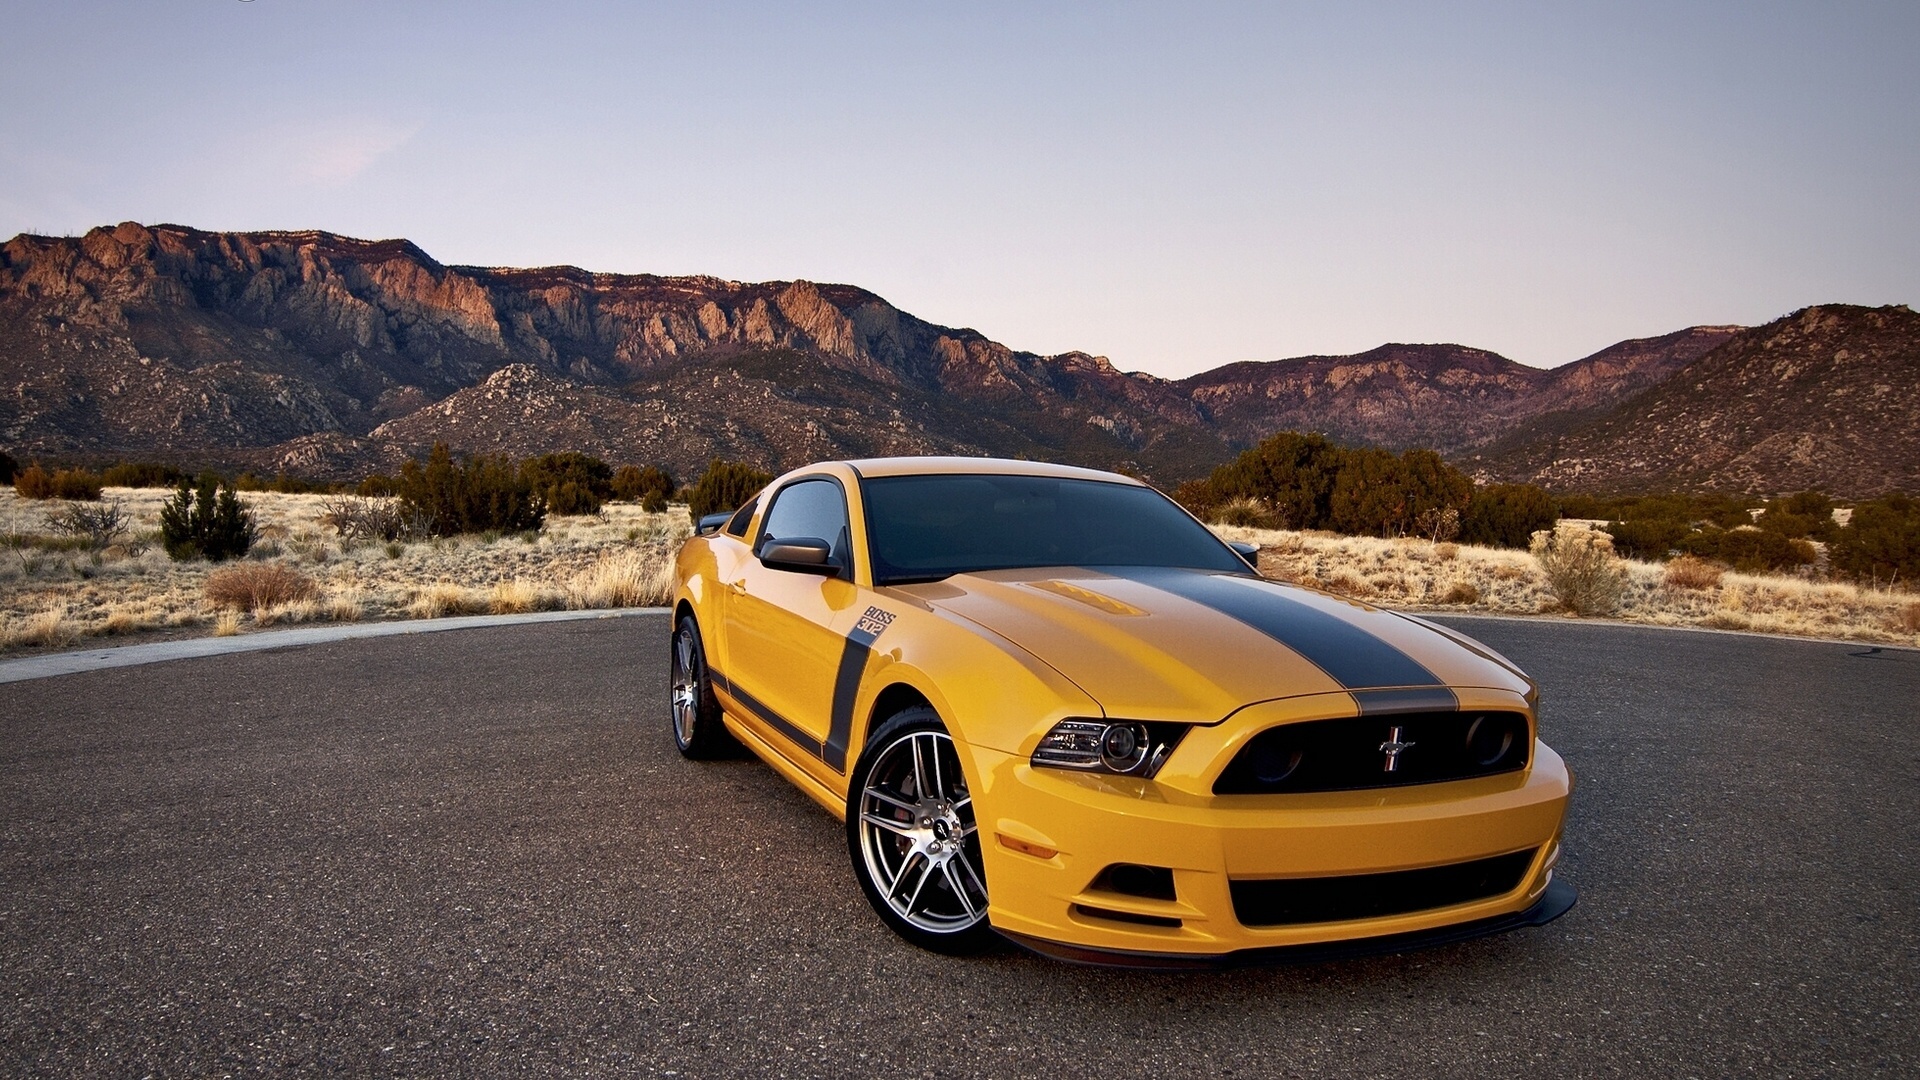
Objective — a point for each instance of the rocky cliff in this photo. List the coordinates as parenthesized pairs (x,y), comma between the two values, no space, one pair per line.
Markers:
(330,356)
(1828,398)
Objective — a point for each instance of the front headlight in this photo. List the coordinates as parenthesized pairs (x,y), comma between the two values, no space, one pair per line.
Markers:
(1121,747)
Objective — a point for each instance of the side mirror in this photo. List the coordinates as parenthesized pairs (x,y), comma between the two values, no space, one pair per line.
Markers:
(1249,553)
(712,523)
(801,555)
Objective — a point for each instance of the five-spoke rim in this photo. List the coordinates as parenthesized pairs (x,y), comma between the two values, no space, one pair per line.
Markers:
(918,834)
(686,685)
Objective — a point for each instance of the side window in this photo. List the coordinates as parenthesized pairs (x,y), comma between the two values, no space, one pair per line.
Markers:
(737,524)
(810,508)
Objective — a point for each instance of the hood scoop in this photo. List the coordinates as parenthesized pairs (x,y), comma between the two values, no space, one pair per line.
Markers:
(1097,601)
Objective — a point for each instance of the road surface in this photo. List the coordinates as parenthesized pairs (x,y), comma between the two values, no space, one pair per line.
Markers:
(476,853)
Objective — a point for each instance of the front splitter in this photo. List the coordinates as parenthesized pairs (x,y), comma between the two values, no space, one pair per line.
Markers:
(1558,899)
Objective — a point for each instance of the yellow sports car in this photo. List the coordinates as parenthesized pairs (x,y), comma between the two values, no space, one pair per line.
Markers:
(1047,702)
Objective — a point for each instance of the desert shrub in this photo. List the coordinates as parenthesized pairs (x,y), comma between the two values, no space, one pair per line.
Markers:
(726,485)
(95,526)
(8,467)
(377,486)
(1507,515)
(1907,619)
(1580,568)
(649,486)
(1749,549)
(1292,473)
(570,482)
(1461,592)
(475,495)
(141,474)
(1245,511)
(198,524)
(281,483)
(1305,481)
(257,586)
(1798,517)
(34,482)
(1882,541)
(1648,538)
(357,518)
(1723,510)
(1437,523)
(1692,572)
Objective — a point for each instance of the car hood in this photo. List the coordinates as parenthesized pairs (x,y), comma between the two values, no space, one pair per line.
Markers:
(1194,646)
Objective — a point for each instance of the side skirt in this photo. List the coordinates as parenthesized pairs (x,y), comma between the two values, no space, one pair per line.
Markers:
(750,737)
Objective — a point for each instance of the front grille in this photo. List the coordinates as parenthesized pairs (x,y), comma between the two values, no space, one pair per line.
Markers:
(1289,901)
(1377,751)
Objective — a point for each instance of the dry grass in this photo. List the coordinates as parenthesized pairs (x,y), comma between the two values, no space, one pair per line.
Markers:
(1581,569)
(52,593)
(520,595)
(1907,620)
(1689,572)
(131,585)
(1414,575)
(624,579)
(255,587)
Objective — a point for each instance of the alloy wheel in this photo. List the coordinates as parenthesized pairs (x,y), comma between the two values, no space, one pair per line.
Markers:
(918,834)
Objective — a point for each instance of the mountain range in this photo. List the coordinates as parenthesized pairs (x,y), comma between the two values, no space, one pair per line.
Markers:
(329,356)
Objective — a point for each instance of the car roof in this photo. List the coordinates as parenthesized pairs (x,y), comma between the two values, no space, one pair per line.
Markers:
(932,465)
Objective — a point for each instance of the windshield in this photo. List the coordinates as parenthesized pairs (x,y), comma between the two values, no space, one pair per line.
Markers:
(923,528)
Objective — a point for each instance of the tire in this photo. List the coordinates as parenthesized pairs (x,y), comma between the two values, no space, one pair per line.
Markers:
(913,839)
(697,728)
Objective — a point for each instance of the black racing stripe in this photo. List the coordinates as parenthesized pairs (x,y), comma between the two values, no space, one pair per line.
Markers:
(1419,699)
(846,687)
(760,709)
(1355,658)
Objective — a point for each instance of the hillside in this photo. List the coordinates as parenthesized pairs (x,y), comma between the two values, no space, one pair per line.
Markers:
(1828,398)
(330,356)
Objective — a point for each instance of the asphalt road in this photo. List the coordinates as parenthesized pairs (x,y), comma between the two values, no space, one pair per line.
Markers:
(476,853)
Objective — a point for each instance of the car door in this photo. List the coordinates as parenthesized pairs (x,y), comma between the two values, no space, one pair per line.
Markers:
(781,647)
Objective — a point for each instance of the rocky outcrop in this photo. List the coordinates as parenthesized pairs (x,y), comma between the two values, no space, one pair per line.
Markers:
(328,355)
(1827,398)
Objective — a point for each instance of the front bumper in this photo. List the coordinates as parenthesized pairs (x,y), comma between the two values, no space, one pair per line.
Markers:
(1090,822)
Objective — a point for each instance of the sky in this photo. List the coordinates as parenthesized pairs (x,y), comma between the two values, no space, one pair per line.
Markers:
(1173,186)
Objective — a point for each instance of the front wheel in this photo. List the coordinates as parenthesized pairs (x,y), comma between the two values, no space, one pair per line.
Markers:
(697,729)
(913,838)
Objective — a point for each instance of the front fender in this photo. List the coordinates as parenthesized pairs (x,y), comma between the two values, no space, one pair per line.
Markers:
(990,692)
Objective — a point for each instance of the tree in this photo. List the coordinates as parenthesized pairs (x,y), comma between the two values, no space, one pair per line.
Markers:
(198,524)
(1292,473)
(483,493)
(650,486)
(1507,515)
(726,485)
(570,482)
(1370,495)
(1881,543)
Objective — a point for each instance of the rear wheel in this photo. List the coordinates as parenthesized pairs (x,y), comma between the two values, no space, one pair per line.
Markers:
(697,729)
(913,838)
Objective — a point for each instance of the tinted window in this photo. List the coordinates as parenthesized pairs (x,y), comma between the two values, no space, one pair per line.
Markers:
(737,524)
(926,527)
(814,509)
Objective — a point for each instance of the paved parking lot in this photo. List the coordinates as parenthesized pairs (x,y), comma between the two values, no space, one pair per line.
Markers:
(476,853)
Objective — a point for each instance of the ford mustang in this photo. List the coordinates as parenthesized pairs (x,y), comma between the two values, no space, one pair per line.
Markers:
(1050,704)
